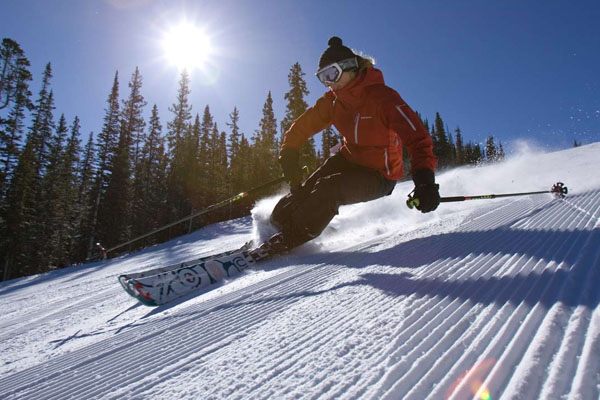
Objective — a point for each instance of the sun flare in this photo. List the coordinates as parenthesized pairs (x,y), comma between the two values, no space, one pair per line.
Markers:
(187,46)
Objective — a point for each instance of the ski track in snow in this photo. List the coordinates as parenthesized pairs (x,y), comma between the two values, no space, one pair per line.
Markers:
(502,297)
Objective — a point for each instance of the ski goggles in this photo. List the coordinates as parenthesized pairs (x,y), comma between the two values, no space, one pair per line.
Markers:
(333,72)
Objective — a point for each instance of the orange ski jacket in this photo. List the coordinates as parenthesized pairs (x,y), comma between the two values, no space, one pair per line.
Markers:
(374,121)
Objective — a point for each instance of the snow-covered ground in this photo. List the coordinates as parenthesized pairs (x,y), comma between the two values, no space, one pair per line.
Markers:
(491,299)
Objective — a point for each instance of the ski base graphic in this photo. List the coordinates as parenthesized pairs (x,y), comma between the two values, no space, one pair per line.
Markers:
(161,285)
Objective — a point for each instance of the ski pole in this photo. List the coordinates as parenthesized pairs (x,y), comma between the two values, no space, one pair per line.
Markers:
(247,193)
(559,190)
(206,210)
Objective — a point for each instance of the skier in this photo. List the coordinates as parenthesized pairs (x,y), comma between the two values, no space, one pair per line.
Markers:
(375,123)
(102,251)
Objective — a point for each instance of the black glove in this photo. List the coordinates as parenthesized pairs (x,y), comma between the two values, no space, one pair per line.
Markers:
(290,163)
(426,196)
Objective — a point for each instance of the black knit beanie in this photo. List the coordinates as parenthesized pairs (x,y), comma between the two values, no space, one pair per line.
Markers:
(335,52)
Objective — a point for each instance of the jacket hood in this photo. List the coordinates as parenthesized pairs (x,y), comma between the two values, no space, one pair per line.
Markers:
(352,93)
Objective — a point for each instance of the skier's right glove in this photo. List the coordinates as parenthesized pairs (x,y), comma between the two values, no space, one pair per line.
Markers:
(290,163)
(426,196)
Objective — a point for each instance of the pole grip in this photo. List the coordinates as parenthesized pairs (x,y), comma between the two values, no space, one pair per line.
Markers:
(412,202)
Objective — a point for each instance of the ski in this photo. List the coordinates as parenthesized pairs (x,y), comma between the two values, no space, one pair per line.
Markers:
(158,270)
(160,285)
(142,285)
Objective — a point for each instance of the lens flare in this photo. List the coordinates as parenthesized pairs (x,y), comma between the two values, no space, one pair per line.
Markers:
(471,382)
(480,390)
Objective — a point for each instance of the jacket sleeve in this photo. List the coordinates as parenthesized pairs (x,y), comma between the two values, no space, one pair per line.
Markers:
(400,118)
(311,122)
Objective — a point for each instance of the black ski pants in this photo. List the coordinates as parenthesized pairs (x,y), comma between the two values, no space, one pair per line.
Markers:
(304,214)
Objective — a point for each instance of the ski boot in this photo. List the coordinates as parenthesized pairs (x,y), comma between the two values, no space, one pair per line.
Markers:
(275,245)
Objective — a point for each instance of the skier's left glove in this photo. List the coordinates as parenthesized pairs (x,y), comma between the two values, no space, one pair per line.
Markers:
(426,196)
(290,163)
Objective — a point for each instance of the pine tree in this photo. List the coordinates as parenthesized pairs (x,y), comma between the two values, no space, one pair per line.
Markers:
(218,165)
(106,150)
(295,107)
(268,129)
(245,163)
(182,113)
(477,154)
(452,148)
(21,232)
(473,153)
(192,172)
(116,208)
(154,152)
(14,73)
(60,190)
(223,159)
(434,138)
(265,146)
(490,150)
(206,127)
(71,174)
(203,179)
(235,135)
(133,126)
(132,117)
(26,187)
(52,201)
(83,208)
(177,202)
(56,151)
(109,135)
(441,146)
(328,140)
(236,163)
(43,122)
(425,122)
(460,151)
(500,155)
(150,193)
(14,96)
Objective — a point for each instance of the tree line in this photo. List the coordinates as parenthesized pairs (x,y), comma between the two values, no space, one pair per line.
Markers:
(452,150)
(63,192)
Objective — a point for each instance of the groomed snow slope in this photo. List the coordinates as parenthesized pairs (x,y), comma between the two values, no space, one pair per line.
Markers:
(494,299)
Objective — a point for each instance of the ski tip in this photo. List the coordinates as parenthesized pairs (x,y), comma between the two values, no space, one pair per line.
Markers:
(135,290)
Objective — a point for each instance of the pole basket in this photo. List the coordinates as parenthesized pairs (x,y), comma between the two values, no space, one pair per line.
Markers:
(559,190)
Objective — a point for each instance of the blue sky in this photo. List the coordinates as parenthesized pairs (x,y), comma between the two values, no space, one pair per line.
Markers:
(511,69)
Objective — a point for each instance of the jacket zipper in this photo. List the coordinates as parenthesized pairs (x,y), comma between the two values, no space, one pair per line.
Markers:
(356,120)
(385,153)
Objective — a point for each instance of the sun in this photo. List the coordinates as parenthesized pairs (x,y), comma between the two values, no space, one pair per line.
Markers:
(186,46)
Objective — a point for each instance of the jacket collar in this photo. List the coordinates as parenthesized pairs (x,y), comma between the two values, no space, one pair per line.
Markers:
(352,93)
